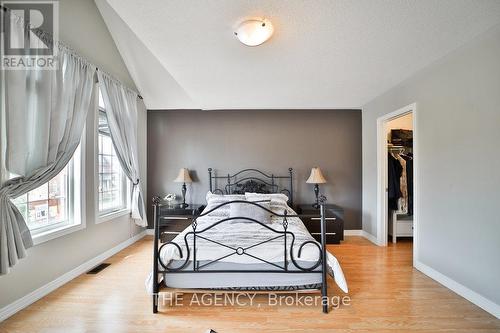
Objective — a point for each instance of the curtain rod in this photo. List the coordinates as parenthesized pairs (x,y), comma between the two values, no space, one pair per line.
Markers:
(6,9)
(138,95)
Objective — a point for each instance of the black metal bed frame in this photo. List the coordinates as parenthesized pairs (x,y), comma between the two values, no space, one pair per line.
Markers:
(251,181)
(258,185)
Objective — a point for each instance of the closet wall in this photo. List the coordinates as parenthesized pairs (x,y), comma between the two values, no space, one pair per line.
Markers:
(457,119)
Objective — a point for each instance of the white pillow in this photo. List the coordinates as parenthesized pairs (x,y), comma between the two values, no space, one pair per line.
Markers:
(267,196)
(220,198)
(278,201)
(251,211)
(214,200)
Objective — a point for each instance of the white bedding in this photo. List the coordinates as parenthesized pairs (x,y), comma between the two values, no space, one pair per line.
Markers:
(244,234)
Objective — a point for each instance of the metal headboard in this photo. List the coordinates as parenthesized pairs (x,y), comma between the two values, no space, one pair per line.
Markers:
(251,180)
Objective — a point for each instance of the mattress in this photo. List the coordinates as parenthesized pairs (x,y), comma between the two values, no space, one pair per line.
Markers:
(243,281)
(238,244)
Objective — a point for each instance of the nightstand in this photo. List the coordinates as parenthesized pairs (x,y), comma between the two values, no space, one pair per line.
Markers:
(174,219)
(334,218)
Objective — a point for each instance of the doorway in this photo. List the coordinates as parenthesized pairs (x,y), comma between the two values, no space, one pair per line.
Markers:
(396,200)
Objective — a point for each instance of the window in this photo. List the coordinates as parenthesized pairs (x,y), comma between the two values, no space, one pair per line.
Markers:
(113,184)
(54,208)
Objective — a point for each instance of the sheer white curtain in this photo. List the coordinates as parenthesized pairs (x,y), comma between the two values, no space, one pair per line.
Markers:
(43,117)
(121,112)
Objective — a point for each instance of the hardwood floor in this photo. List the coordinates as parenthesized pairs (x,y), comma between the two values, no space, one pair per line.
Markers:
(386,295)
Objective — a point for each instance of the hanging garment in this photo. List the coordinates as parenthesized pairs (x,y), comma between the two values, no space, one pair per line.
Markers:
(394,187)
(409,177)
(403,201)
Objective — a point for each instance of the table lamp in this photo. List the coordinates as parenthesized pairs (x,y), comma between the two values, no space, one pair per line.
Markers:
(316,177)
(183,178)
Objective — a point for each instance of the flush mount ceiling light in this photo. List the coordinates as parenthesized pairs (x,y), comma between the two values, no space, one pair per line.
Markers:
(254,32)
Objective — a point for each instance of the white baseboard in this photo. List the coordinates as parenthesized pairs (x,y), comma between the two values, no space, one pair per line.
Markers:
(361,233)
(150,232)
(353,232)
(471,296)
(35,295)
(370,237)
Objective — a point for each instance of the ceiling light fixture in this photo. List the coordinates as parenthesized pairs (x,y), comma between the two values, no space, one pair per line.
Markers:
(254,32)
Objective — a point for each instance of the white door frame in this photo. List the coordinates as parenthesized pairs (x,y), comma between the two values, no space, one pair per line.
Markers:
(382,175)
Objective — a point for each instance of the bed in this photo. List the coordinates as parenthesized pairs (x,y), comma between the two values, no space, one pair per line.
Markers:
(247,238)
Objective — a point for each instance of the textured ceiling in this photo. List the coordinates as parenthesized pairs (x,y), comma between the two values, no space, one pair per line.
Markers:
(324,54)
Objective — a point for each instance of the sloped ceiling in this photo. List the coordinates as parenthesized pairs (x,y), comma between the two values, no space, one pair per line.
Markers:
(152,79)
(324,53)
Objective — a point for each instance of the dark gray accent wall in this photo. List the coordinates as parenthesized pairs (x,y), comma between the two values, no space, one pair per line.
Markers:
(270,140)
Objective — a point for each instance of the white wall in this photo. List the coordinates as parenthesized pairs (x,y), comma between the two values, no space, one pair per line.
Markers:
(458,133)
(82,28)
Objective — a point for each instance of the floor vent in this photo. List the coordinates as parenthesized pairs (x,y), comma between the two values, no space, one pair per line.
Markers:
(98,268)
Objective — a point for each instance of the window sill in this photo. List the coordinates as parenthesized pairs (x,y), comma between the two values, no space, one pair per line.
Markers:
(45,236)
(112,215)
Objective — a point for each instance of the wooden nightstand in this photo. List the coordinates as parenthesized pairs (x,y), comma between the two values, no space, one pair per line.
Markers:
(334,222)
(174,219)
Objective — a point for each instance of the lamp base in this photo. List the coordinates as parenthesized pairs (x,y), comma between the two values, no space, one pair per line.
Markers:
(316,193)
(183,204)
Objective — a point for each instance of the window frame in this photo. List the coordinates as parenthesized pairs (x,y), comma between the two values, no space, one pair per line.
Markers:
(70,205)
(76,202)
(126,188)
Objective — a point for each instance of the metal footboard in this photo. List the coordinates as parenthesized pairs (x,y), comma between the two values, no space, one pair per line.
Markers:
(191,248)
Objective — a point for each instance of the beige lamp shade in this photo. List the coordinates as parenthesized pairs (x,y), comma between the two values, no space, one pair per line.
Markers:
(316,177)
(183,176)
